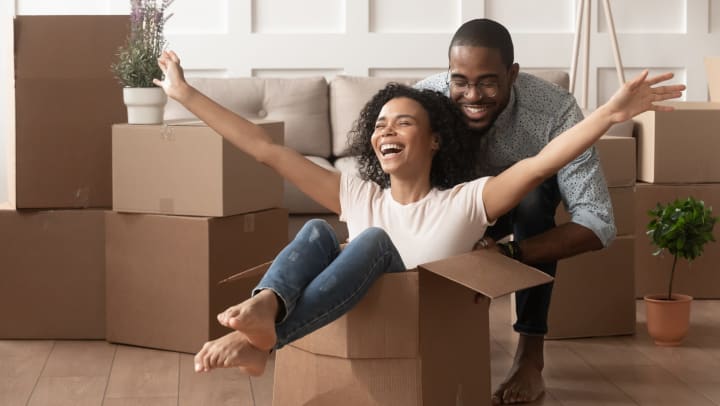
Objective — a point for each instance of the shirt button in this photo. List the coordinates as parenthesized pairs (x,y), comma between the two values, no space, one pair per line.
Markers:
(262,113)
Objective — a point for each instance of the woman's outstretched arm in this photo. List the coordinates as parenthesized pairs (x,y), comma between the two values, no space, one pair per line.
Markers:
(320,184)
(506,190)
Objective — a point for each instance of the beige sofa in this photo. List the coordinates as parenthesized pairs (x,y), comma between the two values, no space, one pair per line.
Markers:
(317,114)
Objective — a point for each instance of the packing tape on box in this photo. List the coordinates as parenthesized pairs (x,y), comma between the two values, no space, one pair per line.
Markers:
(82,196)
(166,133)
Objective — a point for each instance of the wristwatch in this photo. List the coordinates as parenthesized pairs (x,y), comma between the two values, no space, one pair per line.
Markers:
(511,250)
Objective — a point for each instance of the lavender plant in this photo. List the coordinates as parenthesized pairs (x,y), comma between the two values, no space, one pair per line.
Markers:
(136,64)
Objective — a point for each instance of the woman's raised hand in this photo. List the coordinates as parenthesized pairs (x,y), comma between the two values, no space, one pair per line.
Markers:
(640,94)
(173,83)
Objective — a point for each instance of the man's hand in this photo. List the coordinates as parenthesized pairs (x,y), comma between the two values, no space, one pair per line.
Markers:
(485,243)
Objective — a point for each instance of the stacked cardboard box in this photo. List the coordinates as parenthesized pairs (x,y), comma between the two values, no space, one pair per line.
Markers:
(593,294)
(677,158)
(190,210)
(66,98)
(52,250)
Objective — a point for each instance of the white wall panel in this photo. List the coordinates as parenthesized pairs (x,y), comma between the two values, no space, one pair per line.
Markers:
(714,16)
(77,7)
(647,16)
(7,98)
(292,16)
(195,17)
(411,16)
(523,16)
(608,83)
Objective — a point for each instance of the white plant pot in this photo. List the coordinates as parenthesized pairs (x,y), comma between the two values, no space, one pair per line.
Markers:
(145,105)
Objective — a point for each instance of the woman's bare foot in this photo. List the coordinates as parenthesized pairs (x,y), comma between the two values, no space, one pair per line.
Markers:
(231,351)
(255,318)
(524,382)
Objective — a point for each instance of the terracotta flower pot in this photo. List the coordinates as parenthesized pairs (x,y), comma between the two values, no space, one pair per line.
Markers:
(668,321)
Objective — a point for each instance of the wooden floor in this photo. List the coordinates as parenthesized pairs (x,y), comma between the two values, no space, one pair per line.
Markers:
(601,371)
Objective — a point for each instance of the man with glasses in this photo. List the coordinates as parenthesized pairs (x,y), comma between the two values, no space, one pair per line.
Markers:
(515,115)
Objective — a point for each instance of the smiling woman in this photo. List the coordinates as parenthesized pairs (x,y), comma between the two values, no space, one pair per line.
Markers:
(452,160)
(409,205)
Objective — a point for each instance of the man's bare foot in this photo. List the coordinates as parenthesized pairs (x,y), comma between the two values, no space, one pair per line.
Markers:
(231,351)
(255,318)
(524,383)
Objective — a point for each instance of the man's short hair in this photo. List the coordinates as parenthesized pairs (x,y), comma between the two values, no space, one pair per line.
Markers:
(486,33)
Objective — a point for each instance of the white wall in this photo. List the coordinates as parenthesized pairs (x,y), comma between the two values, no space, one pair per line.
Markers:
(7,95)
(225,38)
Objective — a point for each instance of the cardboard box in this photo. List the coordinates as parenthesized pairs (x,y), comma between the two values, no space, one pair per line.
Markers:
(623,202)
(712,68)
(594,293)
(617,159)
(163,273)
(186,168)
(419,337)
(700,279)
(66,99)
(679,146)
(53,274)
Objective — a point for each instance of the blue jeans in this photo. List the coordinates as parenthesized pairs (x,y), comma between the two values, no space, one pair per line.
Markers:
(534,215)
(316,282)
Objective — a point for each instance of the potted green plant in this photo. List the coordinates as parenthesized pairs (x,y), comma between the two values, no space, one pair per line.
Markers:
(682,227)
(136,65)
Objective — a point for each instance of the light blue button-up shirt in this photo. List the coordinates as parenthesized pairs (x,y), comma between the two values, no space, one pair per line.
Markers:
(537,112)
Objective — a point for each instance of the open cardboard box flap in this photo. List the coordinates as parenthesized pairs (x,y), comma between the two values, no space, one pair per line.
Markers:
(487,272)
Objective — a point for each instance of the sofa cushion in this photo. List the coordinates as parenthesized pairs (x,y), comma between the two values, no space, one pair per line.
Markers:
(348,95)
(557,77)
(298,202)
(301,103)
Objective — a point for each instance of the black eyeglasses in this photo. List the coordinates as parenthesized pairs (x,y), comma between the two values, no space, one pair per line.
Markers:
(489,89)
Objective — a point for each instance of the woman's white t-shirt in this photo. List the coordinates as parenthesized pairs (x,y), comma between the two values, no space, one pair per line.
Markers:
(441,224)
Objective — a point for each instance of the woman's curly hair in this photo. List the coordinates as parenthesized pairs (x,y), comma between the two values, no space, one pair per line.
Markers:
(454,161)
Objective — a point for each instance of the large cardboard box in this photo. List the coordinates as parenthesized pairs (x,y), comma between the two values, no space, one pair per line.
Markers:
(712,68)
(617,159)
(623,203)
(700,279)
(66,99)
(186,168)
(419,337)
(679,146)
(53,274)
(163,273)
(594,293)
